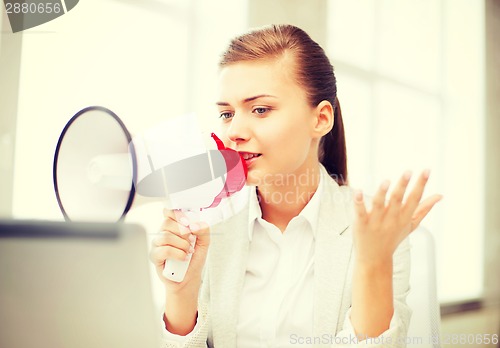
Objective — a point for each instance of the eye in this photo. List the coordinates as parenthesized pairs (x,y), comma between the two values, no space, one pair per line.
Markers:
(226,115)
(260,110)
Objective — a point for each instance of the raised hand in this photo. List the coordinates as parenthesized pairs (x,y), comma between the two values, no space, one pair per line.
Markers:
(378,232)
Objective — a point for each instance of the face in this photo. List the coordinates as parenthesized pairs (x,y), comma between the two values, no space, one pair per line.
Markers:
(266,117)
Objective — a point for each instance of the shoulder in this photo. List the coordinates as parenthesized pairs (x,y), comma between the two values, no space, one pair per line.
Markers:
(335,196)
(342,194)
(331,187)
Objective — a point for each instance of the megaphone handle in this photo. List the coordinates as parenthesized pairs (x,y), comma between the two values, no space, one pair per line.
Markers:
(176,270)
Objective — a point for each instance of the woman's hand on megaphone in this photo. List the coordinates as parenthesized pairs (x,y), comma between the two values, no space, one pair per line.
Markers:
(174,243)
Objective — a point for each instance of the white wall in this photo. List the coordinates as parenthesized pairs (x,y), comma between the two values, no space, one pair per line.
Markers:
(10,52)
(145,61)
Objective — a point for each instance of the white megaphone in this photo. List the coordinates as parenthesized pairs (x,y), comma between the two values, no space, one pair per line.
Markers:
(99,170)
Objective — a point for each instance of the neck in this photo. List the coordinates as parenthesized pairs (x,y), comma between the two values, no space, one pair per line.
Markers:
(283,199)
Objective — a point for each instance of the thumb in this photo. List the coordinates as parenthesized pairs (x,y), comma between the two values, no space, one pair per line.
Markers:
(424,208)
(202,232)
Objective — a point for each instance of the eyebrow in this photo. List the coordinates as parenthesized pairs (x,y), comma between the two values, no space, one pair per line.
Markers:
(246,100)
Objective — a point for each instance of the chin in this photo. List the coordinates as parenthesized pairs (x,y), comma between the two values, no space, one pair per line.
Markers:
(252,180)
(256,177)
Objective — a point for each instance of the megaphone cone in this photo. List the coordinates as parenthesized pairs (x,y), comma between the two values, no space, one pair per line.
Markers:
(99,169)
(100,172)
(92,133)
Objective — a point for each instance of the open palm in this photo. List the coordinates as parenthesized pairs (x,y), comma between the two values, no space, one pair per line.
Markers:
(378,232)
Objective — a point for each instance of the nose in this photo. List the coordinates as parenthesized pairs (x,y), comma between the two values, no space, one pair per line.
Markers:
(238,130)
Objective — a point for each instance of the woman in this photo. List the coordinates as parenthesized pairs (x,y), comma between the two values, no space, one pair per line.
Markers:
(305,262)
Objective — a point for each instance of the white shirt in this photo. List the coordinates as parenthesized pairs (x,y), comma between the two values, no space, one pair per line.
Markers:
(276,305)
(277,295)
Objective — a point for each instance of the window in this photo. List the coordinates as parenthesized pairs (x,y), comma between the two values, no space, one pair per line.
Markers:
(145,61)
(410,81)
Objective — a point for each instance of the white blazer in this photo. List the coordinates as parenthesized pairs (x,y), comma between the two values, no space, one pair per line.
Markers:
(333,266)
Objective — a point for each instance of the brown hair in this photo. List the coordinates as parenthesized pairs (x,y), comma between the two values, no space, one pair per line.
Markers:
(313,71)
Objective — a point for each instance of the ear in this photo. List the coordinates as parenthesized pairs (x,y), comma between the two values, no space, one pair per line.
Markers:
(323,119)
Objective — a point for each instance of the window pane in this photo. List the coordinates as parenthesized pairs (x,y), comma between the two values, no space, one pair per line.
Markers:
(351,36)
(406,127)
(425,74)
(99,54)
(409,41)
(356,103)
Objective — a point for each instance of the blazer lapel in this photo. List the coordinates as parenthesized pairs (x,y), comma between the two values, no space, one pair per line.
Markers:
(229,246)
(332,257)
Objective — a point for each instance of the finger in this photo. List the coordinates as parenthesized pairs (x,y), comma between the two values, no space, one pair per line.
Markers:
(181,217)
(160,254)
(415,195)
(174,227)
(201,230)
(168,214)
(398,193)
(170,239)
(359,206)
(424,208)
(176,215)
(378,202)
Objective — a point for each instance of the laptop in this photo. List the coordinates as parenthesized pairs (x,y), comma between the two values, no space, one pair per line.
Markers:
(75,285)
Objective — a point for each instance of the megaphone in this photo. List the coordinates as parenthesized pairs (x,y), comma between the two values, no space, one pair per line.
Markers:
(99,170)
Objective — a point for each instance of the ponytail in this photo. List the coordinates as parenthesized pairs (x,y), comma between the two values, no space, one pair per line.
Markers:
(332,149)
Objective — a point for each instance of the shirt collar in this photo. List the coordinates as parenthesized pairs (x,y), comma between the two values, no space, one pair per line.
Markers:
(310,212)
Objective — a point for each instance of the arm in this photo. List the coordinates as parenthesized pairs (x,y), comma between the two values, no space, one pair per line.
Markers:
(372,297)
(181,311)
(197,338)
(394,336)
(377,234)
